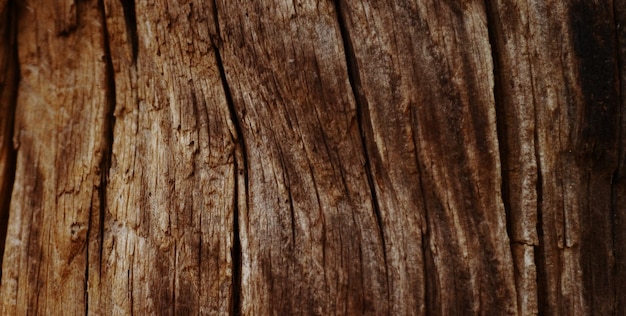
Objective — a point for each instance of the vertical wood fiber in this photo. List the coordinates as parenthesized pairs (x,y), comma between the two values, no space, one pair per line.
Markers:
(170,194)
(313,157)
(60,122)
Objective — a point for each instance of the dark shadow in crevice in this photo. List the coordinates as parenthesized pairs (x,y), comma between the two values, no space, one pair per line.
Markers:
(501,124)
(131,26)
(8,93)
(619,16)
(618,194)
(105,164)
(96,214)
(240,171)
(592,25)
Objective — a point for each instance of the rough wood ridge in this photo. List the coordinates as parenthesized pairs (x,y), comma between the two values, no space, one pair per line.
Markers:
(319,157)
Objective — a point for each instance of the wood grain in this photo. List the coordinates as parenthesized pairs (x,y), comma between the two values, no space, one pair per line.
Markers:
(309,233)
(60,123)
(422,73)
(313,157)
(168,218)
(559,106)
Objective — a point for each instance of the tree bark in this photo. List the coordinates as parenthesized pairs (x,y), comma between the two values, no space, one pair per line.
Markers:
(313,157)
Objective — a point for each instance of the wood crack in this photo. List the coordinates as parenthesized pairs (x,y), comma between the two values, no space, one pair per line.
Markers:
(539,251)
(131,26)
(362,115)
(105,162)
(521,237)
(500,118)
(8,94)
(240,171)
(427,257)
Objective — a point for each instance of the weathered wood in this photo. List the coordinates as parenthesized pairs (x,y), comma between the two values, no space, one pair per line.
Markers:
(168,218)
(423,75)
(313,157)
(559,108)
(517,127)
(60,139)
(309,233)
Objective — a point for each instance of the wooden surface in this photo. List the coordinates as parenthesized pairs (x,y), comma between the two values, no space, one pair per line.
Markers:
(558,98)
(170,193)
(60,128)
(423,76)
(313,157)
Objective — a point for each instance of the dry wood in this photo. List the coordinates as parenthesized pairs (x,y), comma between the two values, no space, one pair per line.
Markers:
(313,157)
(309,233)
(559,106)
(168,218)
(423,77)
(60,124)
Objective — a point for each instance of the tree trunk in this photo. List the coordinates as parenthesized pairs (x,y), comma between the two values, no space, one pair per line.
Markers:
(313,157)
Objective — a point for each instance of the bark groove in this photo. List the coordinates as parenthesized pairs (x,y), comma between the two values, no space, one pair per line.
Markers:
(131,26)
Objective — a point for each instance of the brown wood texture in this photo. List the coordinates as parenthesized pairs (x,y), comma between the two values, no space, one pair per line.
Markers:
(558,98)
(435,163)
(168,219)
(60,128)
(313,157)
